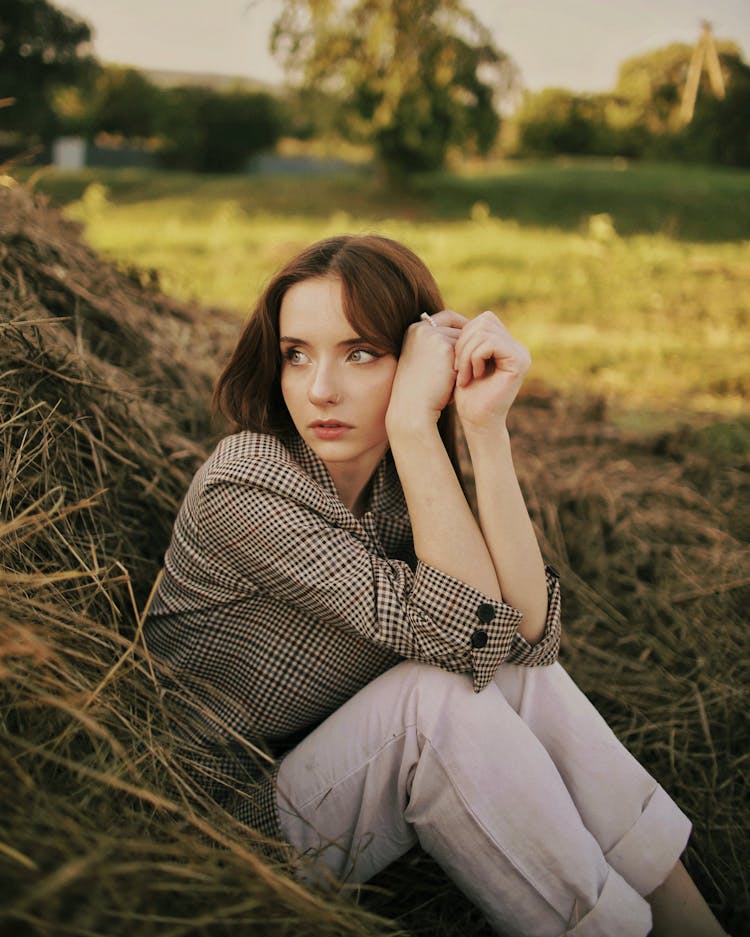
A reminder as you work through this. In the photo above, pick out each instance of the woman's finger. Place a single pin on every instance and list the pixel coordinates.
(484, 354)
(478, 359)
(449, 318)
(471, 353)
(463, 364)
(452, 335)
(480, 356)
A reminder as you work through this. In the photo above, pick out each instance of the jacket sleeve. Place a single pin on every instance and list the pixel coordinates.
(270, 543)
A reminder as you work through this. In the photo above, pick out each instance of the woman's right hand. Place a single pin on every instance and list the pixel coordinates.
(425, 375)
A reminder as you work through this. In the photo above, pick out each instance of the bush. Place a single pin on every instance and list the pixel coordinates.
(126, 103)
(558, 121)
(641, 119)
(208, 131)
(719, 131)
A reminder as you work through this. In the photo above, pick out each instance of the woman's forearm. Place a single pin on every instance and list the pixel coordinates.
(446, 534)
(507, 529)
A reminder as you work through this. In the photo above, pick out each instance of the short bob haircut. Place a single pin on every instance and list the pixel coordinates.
(385, 288)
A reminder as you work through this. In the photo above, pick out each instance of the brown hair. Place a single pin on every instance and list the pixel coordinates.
(385, 288)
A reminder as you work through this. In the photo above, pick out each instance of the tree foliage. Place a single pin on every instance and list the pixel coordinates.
(650, 86)
(414, 77)
(720, 129)
(641, 117)
(555, 120)
(310, 112)
(212, 131)
(189, 127)
(125, 102)
(41, 49)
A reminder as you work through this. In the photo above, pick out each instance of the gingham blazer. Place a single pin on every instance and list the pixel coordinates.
(277, 604)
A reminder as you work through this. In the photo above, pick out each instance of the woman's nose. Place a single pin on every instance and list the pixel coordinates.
(323, 388)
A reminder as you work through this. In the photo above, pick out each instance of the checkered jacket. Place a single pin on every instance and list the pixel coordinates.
(277, 605)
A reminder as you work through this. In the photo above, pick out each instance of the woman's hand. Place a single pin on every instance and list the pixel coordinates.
(490, 366)
(426, 375)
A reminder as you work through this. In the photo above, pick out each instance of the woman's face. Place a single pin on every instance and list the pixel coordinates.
(335, 384)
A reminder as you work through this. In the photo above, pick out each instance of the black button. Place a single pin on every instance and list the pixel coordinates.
(479, 639)
(486, 612)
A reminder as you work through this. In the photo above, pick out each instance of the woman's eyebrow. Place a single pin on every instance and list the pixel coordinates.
(290, 340)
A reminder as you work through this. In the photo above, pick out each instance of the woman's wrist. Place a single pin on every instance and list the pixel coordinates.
(406, 423)
(488, 433)
(410, 429)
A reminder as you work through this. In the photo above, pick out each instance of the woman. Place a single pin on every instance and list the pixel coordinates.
(329, 591)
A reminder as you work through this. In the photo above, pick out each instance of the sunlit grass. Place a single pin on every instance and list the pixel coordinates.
(644, 319)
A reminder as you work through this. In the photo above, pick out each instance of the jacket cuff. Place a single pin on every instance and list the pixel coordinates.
(545, 651)
(467, 624)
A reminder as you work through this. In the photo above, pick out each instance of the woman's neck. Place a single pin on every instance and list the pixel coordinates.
(354, 495)
(353, 485)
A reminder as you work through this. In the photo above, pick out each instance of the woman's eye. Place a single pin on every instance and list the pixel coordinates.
(361, 355)
(295, 356)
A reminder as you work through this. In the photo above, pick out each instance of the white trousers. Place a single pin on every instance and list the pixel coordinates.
(521, 793)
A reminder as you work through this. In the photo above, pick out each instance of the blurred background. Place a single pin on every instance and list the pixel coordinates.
(582, 80)
(581, 168)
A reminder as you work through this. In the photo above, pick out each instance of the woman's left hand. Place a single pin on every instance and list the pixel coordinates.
(490, 366)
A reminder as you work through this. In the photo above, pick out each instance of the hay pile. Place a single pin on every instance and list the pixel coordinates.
(104, 387)
(102, 398)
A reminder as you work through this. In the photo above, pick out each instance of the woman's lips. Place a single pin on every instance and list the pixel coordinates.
(329, 429)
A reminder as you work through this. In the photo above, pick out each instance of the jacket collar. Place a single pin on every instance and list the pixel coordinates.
(386, 495)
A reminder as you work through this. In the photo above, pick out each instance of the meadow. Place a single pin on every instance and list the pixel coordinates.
(632, 440)
(627, 282)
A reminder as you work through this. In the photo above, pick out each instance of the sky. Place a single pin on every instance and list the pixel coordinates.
(575, 44)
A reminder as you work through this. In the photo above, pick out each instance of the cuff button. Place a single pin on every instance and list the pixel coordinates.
(486, 612)
(479, 639)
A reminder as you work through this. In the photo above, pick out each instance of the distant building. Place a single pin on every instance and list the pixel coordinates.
(76, 153)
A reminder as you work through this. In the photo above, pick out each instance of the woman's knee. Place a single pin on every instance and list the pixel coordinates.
(536, 694)
(433, 698)
(429, 684)
(543, 689)
(417, 677)
(414, 693)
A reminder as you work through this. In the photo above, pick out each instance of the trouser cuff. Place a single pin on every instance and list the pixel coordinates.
(619, 910)
(649, 851)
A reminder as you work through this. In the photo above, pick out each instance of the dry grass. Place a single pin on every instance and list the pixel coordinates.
(102, 422)
(104, 384)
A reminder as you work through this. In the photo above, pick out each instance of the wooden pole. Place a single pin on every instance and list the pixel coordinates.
(714, 67)
(705, 51)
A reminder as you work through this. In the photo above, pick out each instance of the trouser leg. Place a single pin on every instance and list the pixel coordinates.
(416, 754)
(636, 824)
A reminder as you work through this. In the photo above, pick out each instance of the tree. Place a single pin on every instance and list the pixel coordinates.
(650, 90)
(414, 77)
(310, 113)
(556, 121)
(650, 86)
(642, 117)
(211, 131)
(41, 49)
(720, 131)
(125, 102)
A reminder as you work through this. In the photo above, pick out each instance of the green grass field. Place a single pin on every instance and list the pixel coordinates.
(627, 282)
